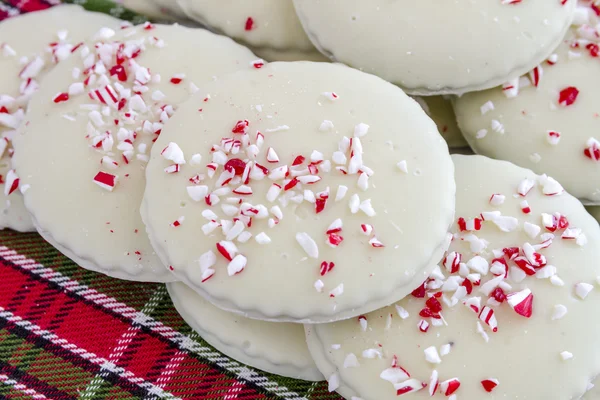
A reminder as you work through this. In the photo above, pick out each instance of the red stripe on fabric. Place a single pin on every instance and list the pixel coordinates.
(84, 326)
(98, 331)
(29, 5)
(147, 350)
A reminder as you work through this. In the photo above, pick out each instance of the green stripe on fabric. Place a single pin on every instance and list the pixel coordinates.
(110, 7)
(42, 365)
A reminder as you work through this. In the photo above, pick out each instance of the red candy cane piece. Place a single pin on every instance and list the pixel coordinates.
(249, 24)
(178, 222)
(409, 386)
(335, 227)
(106, 181)
(227, 249)
(521, 302)
(258, 64)
(489, 384)
(487, 316)
(241, 127)
(434, 383)
(592, 150)
(12, 182)
(452, 262)
(450, 386)
(177, 79)
(326, 267)
(536, 75)
(567, 96)
(237, 165)
(61, 97)
(334, 240)
(366, 229)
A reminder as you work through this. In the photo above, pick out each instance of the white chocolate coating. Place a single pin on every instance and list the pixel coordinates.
(66, 25)
(288, 103)
(428, 47)
(523, 122)
(524, 355)
(274, 25)
(100, 229)
(278, 348)
(439, 109)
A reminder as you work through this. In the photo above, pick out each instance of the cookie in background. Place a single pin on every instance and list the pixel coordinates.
(547, 120)
(429, 48)
(105, 106)
(26, 56)
(269, 27)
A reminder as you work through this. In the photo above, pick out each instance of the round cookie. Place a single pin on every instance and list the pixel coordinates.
(428, 47)
(25, 57)
(270, 27)
(439, 109)
(84, 194)
(547, 121)
(508, 314)
(278, 348)
(317, 216)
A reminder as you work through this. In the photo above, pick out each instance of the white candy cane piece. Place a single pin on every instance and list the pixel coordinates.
(173, 153)
(236, 265)
(307, 244)
(583, 289)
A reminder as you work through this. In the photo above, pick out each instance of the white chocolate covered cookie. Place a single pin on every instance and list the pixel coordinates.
(508, 314)
(105, 106)
(439, 109)
(297, 199)
(431, 47)
(548, 121)
(270, 27)
(26, 55)
(278, 348)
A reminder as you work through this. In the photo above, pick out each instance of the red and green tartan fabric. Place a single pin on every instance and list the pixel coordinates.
(68, 333)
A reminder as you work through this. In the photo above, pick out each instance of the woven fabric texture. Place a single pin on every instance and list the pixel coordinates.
(68, 333)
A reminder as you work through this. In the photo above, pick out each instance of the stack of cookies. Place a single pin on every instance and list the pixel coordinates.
(285, 169)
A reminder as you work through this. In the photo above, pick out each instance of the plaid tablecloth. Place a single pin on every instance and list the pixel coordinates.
(68, 333)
